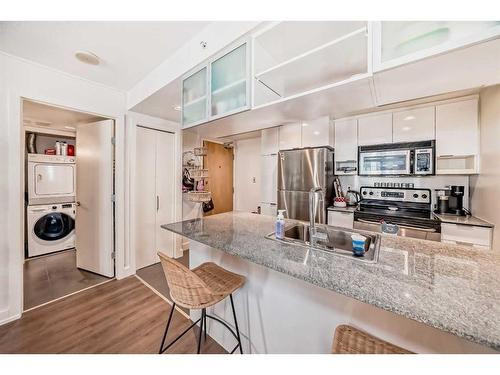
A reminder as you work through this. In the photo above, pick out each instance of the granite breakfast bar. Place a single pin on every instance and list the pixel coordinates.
(426, 297)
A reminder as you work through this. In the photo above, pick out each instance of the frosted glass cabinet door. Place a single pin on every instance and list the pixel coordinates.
(194, 98)
(229, 82)
(401, 38)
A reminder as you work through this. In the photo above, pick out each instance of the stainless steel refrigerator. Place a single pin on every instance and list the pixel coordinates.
(299, 171)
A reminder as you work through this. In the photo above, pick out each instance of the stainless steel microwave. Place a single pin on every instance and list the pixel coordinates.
(397, 159)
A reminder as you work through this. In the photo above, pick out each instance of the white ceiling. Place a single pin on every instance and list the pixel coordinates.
(128, 50)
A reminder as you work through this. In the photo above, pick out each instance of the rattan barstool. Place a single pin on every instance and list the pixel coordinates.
(350, 340)
(199, 288)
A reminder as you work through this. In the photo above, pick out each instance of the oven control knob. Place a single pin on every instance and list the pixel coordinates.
(415, 195)
(371, 192)
(424, 196)
(364, 192)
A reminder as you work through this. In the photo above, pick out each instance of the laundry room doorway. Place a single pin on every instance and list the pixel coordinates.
(69, 202)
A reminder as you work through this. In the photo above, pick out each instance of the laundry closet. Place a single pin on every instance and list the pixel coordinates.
(69, 208)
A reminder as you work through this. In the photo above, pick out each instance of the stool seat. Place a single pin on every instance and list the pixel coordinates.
(220, 281)
(350, 340)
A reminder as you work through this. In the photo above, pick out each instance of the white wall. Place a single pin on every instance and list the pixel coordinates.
(247, 174)
(486, 186)
(22, 79)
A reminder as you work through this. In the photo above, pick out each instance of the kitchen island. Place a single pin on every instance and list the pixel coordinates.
(426, 297)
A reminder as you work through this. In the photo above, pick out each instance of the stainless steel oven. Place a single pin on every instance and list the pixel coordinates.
(397, 159)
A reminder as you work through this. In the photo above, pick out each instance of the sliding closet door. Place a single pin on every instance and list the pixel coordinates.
(145, 198)
(165, 191)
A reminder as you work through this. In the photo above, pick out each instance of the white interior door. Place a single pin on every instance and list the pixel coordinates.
(145, 197)
(165, 191)
(94, 190)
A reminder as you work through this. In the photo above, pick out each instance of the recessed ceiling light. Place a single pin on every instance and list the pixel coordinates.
(305, 124)
(87, 57)
(177, 107)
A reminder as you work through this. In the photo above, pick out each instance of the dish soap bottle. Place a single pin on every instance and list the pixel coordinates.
(280, 225)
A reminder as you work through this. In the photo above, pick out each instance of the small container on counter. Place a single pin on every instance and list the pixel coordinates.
(358, 245)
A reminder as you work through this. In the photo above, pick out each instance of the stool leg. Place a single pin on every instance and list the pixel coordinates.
(166, 328)
(205, 326)
(236, 323)
(202, 320)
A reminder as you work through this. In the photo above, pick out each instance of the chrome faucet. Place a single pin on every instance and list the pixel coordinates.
(312, 215)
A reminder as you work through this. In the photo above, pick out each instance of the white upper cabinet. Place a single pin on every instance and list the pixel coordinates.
(194, 97)
(400, 42)
(457, 129)
(317, 132)
(346, 146)
(293, 57)
(414, 125)
(457, 137)
(375, 129)
(218, 88)
(269, 141)
(229, 82)
(290, 136)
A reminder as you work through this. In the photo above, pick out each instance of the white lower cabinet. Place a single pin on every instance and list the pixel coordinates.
(343, 219)
(269, 209)
(468, 235)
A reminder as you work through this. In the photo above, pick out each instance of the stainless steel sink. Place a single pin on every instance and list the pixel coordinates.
(331, 239)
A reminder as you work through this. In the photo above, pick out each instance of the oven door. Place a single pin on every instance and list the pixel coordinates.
(380, 163)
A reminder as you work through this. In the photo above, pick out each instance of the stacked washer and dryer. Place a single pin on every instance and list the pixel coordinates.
(51, 184)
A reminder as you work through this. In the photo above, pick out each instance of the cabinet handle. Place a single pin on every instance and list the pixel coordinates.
(157, 203)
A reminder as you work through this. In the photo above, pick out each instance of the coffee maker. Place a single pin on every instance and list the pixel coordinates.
(443, 197)
(456, 200)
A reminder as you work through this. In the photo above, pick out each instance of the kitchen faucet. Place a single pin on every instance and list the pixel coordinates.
(312, 215)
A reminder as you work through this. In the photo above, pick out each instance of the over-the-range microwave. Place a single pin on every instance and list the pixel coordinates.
(397, 159)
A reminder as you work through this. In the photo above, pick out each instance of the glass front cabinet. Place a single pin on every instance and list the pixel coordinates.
(219, 88)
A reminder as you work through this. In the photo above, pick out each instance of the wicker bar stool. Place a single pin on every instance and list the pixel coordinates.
(199, 288)
(350, 340)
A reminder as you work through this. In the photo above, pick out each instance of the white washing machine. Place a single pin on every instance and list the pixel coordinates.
(51, 179)
(50, 228)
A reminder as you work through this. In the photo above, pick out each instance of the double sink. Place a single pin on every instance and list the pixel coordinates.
(330, 239)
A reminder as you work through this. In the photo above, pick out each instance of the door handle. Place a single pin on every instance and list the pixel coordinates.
(157, 203)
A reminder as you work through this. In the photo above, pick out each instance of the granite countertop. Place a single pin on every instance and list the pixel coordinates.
(463, 220)
(343, 209)
(449, 287)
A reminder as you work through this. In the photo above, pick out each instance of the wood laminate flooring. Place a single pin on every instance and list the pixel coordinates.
(121, 316)
(53, 276)
(154, 276)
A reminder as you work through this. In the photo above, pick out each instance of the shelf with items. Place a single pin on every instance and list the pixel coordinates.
(194, 176)
(335, 60)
